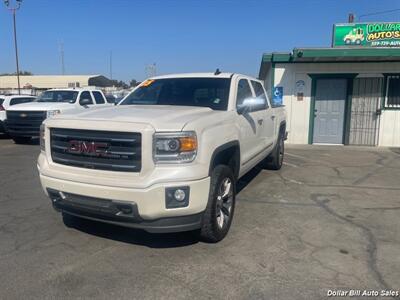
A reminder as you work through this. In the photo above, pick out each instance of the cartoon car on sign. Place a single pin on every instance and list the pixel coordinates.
(354, 37)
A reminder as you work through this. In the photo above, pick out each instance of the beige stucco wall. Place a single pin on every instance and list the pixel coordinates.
(43, 81)
(286, 75)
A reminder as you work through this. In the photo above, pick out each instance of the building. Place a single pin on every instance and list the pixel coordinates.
(346, 94)
(36, 83)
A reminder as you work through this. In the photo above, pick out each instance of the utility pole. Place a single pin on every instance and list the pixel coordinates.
(111, 65)
(151, 70)
(62, 57)
(13, 9)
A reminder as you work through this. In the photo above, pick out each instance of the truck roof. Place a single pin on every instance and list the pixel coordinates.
(194, 75)
(74, 89)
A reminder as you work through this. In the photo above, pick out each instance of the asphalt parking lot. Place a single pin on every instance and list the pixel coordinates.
(328, 220)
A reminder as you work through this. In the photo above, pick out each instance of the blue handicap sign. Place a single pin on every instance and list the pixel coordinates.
(277, 97)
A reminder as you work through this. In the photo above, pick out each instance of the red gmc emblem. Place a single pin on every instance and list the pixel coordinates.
(89, 148)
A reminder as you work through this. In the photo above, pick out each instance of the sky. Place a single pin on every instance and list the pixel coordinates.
(177, 35)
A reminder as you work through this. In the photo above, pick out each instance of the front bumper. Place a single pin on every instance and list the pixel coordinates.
(136, 208)
(119, 213)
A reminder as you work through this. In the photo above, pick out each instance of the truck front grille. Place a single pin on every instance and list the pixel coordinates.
(24, 123)
(93, 149)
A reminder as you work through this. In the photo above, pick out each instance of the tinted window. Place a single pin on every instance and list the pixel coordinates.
(58, 96)
(243, 92)
(14, 101)
(85, 95)
(259, 90)
(1, 101)
(99, 98)
(204, 92)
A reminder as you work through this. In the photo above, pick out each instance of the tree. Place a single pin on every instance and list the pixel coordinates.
(21, 73)
(133, 83)
(119, 84)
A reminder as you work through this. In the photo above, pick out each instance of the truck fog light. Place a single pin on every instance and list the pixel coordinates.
(177, 197)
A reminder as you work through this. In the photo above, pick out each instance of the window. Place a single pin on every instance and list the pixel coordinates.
(85, 95)
(203, 92)
(393, 92)
(1, 101)
(58, 96)
(243, 92)
(259, 90)
(14, 101)
(99, 97)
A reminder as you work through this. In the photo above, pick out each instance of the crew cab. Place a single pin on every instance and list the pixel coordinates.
(24, 120)
(167, 158)
(9, 100)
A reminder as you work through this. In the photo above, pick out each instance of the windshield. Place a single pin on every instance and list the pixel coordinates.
(58, 96)
(204, 92)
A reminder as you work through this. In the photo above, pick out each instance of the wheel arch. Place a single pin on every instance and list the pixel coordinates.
(227, 154)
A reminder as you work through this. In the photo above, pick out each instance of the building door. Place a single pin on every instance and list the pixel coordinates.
(365, 105)
(329, 109)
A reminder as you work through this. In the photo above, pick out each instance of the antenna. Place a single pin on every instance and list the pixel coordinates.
(217, 72)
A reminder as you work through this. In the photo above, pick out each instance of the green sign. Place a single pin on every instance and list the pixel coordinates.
(367, 35)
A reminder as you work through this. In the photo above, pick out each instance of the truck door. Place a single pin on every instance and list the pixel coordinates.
(250, 124)
(267, 128)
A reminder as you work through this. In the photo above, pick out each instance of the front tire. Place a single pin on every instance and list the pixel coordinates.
(217, 218)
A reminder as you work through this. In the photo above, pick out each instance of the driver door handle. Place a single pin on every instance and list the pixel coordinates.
(260, 121)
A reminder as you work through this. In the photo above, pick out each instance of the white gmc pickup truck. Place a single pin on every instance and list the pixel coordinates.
(167, 158)
(24, 120)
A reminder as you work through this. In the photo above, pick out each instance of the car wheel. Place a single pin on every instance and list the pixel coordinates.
(22, 140)
(275, 160)
(218, 215)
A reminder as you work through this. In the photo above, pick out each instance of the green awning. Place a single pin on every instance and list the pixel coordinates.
(304, 55)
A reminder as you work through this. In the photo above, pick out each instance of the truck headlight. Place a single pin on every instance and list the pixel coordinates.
(179, 147)
(52, 113)
(42, 138)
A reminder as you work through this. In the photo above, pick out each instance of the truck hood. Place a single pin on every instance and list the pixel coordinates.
(161, 118)
(41, 106)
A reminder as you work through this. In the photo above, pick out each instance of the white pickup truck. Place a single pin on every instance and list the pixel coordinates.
(167, 158)
(24, 120)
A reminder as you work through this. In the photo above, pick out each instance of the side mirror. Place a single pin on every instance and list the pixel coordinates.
(85, 102)
(251, 104)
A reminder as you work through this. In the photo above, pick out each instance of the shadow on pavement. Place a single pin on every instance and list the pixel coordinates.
(133, 236)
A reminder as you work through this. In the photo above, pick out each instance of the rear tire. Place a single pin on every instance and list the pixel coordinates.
(217, 218)
(274, 161)
(22, 140)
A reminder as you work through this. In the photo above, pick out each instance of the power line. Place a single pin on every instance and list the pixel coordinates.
(378, 13)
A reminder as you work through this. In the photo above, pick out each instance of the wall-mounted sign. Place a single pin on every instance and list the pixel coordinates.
(300, 85)
(367, 35)
(277, 98)
(300, 96)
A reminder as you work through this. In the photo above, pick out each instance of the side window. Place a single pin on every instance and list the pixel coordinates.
(85, 95)
(243, 91)
(14, 101)
(98, 97)
(259, 90)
